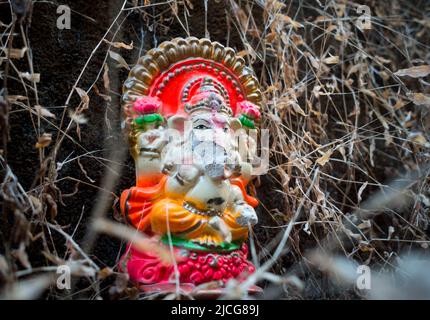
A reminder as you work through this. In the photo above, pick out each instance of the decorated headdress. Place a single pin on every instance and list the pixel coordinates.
(185, 75)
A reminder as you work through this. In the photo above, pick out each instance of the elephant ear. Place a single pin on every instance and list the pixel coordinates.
(177, 122)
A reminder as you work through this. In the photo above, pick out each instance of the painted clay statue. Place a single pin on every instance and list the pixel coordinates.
(188, 108)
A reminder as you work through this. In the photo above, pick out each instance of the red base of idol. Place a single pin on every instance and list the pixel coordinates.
(196, 268)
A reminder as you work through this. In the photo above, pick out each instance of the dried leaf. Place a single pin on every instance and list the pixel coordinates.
(371, 151)
(85, 99)
(105, 97)
(274, 5)
(341, 36)
(297, 40)
(360, 191)
(418, 138)
(331, 60)
(36, 204)
(331, 28)
(324, 158)
(41, 111)
(189, 3)
(118, 58)
(271, 37)
(104, 273)
(320, 195)
(120, 45)
(16, 98)
(317, 63)
(419, 99)
(106, 85)
(340, 9)
(44, 140)
(399, 104)
(15, 53)
(316, 91)
(292, 22)
(106, 80)
(382, 60)
(366, 224)
(390, 231)
(321, 19)
(414, 72)
(314, 61)
(77, 117)
(297, 109)
(35, 77)
(243, 53)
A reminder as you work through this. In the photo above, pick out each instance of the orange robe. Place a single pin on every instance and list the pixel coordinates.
(148, 210)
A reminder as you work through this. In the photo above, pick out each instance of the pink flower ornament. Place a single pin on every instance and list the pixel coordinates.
(250, 110)
(147, 105)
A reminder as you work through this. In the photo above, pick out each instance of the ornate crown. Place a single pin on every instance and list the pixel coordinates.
(208, 95)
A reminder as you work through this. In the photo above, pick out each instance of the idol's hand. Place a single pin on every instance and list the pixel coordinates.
(246, 214)
(219, 225)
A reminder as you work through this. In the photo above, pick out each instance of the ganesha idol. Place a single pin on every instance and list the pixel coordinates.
(189, 107)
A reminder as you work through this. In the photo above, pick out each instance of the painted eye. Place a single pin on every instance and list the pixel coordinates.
(201, 127)
(225, 129)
